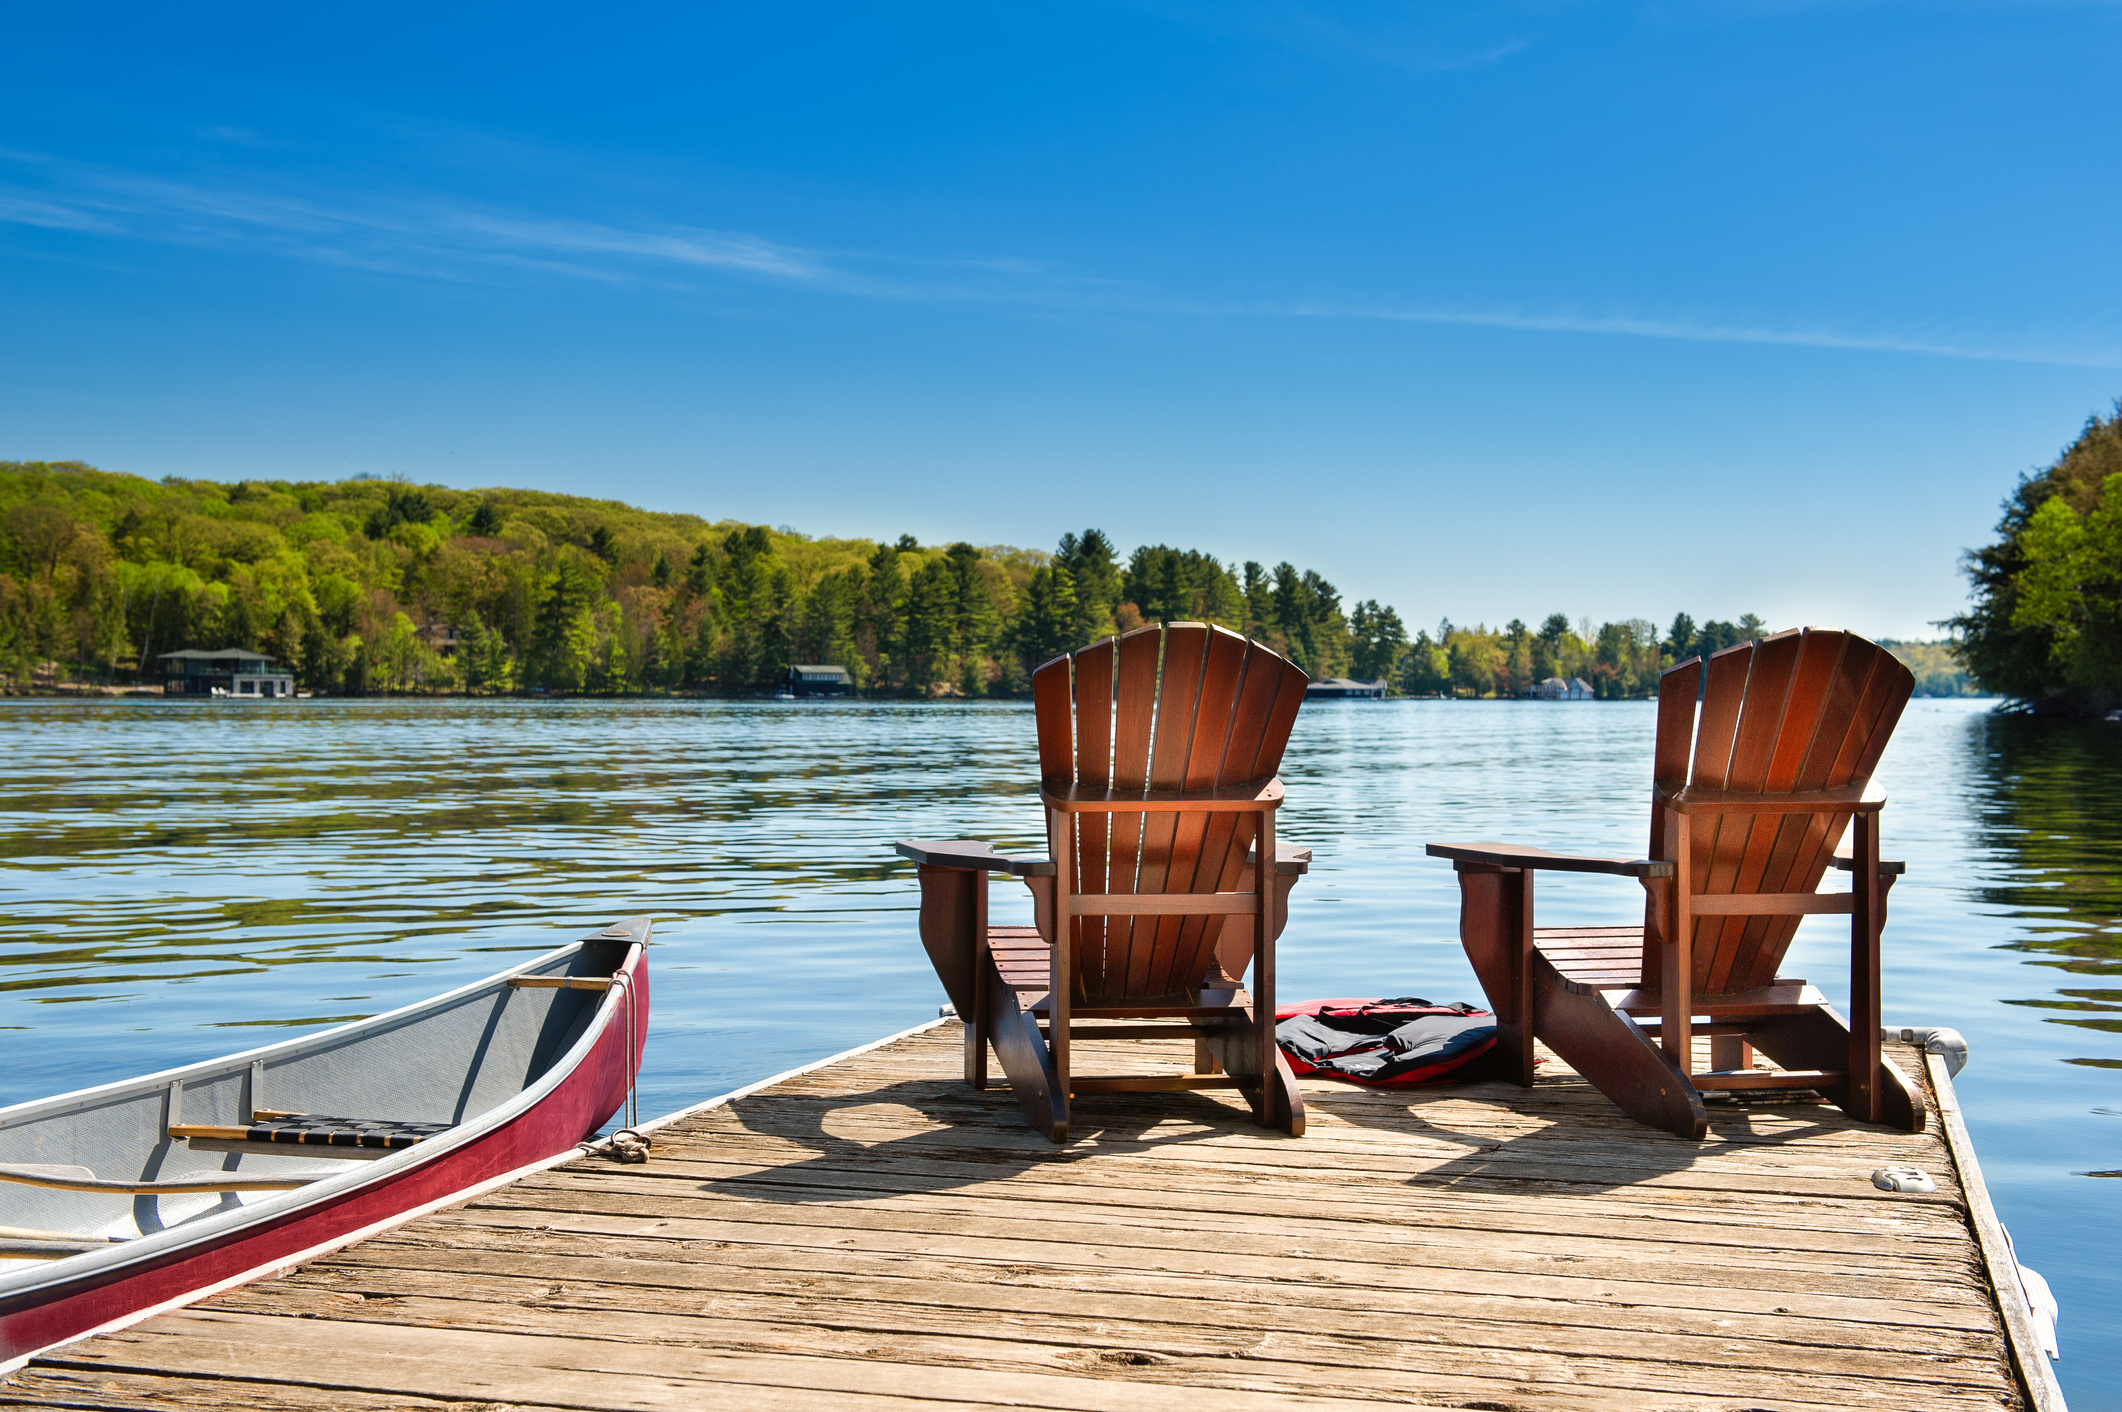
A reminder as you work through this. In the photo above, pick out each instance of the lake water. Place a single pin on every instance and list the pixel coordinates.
(181, 880)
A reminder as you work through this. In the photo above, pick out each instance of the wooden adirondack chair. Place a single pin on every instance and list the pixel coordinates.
(1157, 759)
(1790, 729)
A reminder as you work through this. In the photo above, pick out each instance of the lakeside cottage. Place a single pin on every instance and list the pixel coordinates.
(1556, 689)
(228, 671)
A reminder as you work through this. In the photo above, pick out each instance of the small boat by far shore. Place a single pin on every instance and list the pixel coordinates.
(131, 1198)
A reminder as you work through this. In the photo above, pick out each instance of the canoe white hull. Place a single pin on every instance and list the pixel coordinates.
(67, 1299)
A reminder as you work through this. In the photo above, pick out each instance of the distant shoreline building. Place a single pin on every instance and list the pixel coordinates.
(231, 671)
(1345, 689)
(1556, 689)
(817, 679)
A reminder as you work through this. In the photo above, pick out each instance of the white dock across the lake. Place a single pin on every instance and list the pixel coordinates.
(873, 1233)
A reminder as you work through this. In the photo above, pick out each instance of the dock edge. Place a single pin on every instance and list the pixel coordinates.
(2037, 1376)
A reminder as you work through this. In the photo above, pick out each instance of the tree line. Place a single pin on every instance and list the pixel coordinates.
(1618, 661)
(375, 586)
(370, 585)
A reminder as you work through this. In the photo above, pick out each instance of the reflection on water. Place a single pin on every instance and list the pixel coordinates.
(2054, 803)
(168, 869)
(180, 880)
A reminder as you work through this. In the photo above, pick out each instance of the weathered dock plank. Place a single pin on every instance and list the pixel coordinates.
(874, 1234)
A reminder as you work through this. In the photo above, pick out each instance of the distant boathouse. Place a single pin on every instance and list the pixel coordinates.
(1556, 689)
(815, 679)
(230, 671)
(1345, 689)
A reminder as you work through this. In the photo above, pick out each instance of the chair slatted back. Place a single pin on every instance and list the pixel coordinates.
(1802, 710)
(1187, 706)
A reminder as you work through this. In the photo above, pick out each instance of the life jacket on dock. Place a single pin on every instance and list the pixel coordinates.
(1382, 1043)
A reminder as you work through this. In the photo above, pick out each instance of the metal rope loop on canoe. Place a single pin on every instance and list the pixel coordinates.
(632, 1107)
(627, 1144)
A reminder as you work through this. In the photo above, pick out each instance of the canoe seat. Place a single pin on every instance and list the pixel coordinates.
(316, 1130)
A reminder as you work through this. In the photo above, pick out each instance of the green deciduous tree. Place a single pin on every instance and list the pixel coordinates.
(2045, 626)
(1426, 668)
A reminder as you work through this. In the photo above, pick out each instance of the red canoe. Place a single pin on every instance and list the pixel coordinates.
(123, 1201)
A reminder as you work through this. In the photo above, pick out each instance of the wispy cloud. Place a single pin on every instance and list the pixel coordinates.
(430, 237)
(1710, 328)
(703, 249)
(412, 235)
(19, 208)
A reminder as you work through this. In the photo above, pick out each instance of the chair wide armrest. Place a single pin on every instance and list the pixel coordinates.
(1892, 867)
(970, 854)
(1290, 860)
(1518, 855)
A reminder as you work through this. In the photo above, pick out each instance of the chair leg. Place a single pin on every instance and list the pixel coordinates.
(1495, 928)
(1026, 1058)
(1235, 1045)
(1613, 1055)
(979, 1027)
(954, 928)
(1817, 1038)
(1289, 1113)
(1900, 1101)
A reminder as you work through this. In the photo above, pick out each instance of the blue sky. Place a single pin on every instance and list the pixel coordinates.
(1484, 311)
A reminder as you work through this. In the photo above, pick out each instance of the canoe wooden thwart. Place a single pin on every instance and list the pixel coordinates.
(146, 1194)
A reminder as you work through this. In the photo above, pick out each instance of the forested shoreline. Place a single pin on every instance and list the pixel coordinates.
(374, 586)
(2045, 627)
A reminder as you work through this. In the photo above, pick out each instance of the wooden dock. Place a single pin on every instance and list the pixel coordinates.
(872, 1233)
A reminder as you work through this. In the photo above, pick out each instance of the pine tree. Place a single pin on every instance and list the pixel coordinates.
(1377, 641)
(1046, 628)
(926, 639)
(556, 655)
(1090, 562)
